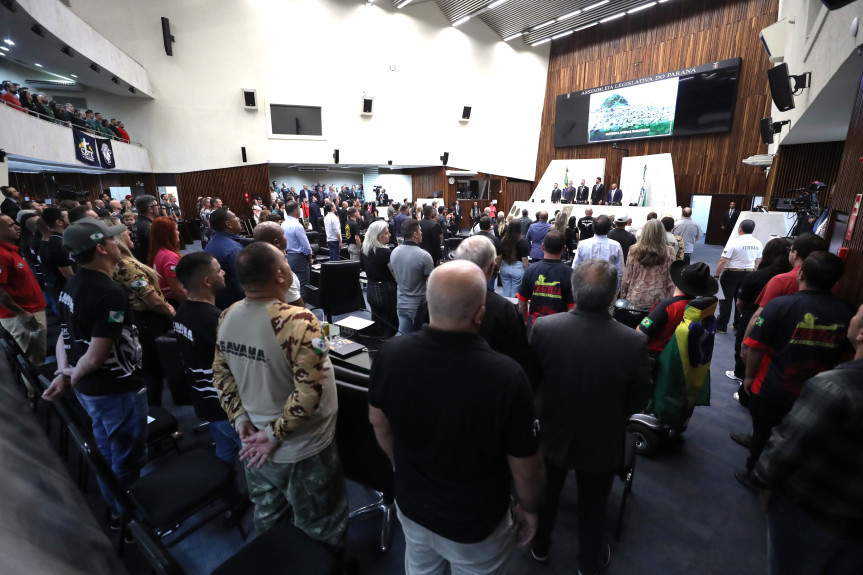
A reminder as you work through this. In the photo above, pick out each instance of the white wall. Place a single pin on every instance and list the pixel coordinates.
(420, 70)
(819, 42)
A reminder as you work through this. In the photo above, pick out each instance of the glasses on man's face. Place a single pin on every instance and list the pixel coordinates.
(154, 205)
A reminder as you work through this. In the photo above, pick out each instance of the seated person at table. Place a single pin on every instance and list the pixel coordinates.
(689, 282)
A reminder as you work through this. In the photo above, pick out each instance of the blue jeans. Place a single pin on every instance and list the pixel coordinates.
(510, 277)
(300, 265)
(334, 251)
(406, 320)
(227, 440)
(120, 430)
(798, 545)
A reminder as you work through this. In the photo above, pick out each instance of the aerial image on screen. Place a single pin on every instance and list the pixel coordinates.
(633, 112)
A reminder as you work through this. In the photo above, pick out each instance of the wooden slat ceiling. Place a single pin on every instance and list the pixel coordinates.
(525, 16)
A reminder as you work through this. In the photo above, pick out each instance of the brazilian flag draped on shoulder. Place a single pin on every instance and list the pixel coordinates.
(683, 378)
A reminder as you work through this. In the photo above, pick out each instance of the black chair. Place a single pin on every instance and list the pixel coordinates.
(451, 245)
(283, 548)
(170, 494)
(362, 459)
(339, 290)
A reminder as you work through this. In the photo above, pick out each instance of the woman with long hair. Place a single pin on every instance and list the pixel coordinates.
(774, 261)
(559, 224)
(500, 226)
(375, 258)
(153, 314)
(647, 276)
(164, 256)
(515, 253)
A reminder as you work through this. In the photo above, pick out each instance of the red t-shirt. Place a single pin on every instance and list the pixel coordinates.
(12, 100)
(779, 285)
(18, 281)
(165, 264)
(124, 135)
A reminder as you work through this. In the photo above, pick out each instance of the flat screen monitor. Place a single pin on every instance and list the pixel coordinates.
(698, 100)
(296, 120)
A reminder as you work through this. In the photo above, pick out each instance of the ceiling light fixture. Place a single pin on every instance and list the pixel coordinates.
(37, 64)
(642, 7)
(4, 48)
(568, 16)
(2, 53)
(543, 25)
(615, 17)
(495, 4)
(543, 41)
(562, 34)
(115, 80)
(67, 50)
(94, 67)
(597, 5)
(73, 75)
(586, 26)
(403, 4)
(513, 37)
(10, 42)
(37, 29)
(461, 20)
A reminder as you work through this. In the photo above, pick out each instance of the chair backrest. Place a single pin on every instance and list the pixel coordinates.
(362, 459)
(158, 556)
(453, 243)
(340, 290)
(172, 367)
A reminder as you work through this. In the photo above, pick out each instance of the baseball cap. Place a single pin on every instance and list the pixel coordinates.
(86, 233)
(621, 219)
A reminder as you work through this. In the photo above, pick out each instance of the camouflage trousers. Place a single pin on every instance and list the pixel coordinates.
(314, 488)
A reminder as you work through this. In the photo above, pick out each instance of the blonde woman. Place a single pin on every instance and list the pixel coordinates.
(153, 314)
(500, 226)
(647, 276)
(375, 258)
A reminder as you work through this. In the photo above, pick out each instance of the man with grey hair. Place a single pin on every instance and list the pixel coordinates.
(690, 231)
(461, 442)
(585, 405)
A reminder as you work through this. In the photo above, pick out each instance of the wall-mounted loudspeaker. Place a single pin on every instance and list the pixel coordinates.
(250, 99)
(780, 86)
(768, 128)
(243, 152)
(166, 36)
(465, 114)
(445, 158)
(368, 103)
(335, 156)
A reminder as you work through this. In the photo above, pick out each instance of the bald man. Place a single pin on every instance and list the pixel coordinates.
(452, 481)
(272, 233)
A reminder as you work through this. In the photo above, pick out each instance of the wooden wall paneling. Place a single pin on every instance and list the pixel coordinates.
(681, 35)
(796, 166)
(518, 191)
(229, 184)
(848, 185)
(427, 181)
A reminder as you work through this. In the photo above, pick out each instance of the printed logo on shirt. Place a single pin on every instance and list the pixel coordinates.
(808, 332)
(547, 289)
(116, 316)
(242, 350)
(646, 322)
(139, 283)
(320, 345)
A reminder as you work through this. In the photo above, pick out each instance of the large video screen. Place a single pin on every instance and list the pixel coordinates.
(687, 102)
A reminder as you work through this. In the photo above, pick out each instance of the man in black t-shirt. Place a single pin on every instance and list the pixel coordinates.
(352, 234)
(585, 225)
(460, 442)
(546, 287)
(431, 234)
(99, 353)
(57, 266)
(196, 324)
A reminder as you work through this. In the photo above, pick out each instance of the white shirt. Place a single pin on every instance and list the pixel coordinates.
(600, 248)
(742, 251)
(332, 225)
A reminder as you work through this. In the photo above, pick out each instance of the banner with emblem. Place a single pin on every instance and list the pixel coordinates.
(85, 148)
(106, 153)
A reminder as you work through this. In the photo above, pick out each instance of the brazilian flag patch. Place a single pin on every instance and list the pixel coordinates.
(646, 322)
(319, 345)
(139, 283)
(759, 321)
(116, 316)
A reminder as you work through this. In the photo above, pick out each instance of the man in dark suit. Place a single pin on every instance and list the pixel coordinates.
(584, 405)
(614, 196)
(555, 195)
(581, 193)
(597, 196)
(569, 195)
(728, 220)
(456, 212)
